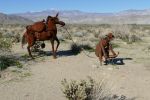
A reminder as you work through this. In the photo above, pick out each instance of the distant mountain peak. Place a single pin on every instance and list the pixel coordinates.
(131, 16)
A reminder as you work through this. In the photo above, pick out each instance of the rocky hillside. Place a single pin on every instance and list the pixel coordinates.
(13, 19)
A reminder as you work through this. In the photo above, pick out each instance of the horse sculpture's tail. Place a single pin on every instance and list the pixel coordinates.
(23, 42)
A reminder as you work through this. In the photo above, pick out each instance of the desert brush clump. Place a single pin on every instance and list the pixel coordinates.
(75, 48)
(5, 45)
(89, 90)
(85, 90)
(87, 47)
(7, 61)
(74, 90)
(125, 32)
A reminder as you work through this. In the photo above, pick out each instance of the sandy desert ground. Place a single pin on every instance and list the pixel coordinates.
(43, 77)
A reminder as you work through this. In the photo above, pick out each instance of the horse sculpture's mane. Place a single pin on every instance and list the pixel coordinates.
(47, 19)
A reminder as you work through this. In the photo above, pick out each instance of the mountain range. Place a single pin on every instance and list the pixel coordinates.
(13, 19)
(79, 17)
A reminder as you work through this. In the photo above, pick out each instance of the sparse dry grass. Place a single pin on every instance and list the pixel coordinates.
(129, 33)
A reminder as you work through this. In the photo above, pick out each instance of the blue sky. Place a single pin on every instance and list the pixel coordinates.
(16, 6)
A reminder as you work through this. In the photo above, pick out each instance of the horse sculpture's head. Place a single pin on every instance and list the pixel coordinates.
(54, 20)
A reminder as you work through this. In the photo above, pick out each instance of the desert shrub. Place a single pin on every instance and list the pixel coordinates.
(12, 31)
(81, 90)
(85, 90)
(88, 90)
(79, 34)
(5, 45)
(125, 33)
(87, 47)
(6, 59)
(16, 38)
(9, 61)
(130, 38)
(75, 49)
(134, 38)
(96, 35)
(148, 48)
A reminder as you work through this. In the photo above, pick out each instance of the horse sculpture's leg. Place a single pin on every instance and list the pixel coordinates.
(57, 44)
(29, 51)
(52, 42)
(31, 42)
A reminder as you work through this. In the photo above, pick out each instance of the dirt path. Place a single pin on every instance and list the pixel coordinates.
(131, 79)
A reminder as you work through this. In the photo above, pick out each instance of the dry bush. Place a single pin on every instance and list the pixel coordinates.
(124, 32)
(79, 34)
(14, 32)
(75, 49)
(88, 90)
(81, 90)
(5, 45)
(6, 59)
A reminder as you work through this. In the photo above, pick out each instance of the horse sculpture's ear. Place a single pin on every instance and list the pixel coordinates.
(57, 14)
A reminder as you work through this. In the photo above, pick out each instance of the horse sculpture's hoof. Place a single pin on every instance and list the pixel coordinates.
(32, 58)
(54, 57)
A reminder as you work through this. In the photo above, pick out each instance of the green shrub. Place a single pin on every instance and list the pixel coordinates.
(75, 49)
(7, 62)
(87, 47)
(5, 44)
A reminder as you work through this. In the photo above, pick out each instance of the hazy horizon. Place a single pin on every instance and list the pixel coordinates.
(72, 10)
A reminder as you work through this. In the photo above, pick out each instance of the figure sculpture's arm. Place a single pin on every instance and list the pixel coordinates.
(114, 54)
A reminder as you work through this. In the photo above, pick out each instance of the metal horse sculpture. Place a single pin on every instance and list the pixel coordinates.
(41, 31)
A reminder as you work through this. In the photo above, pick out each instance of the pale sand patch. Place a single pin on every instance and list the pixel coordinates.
(131, 79)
